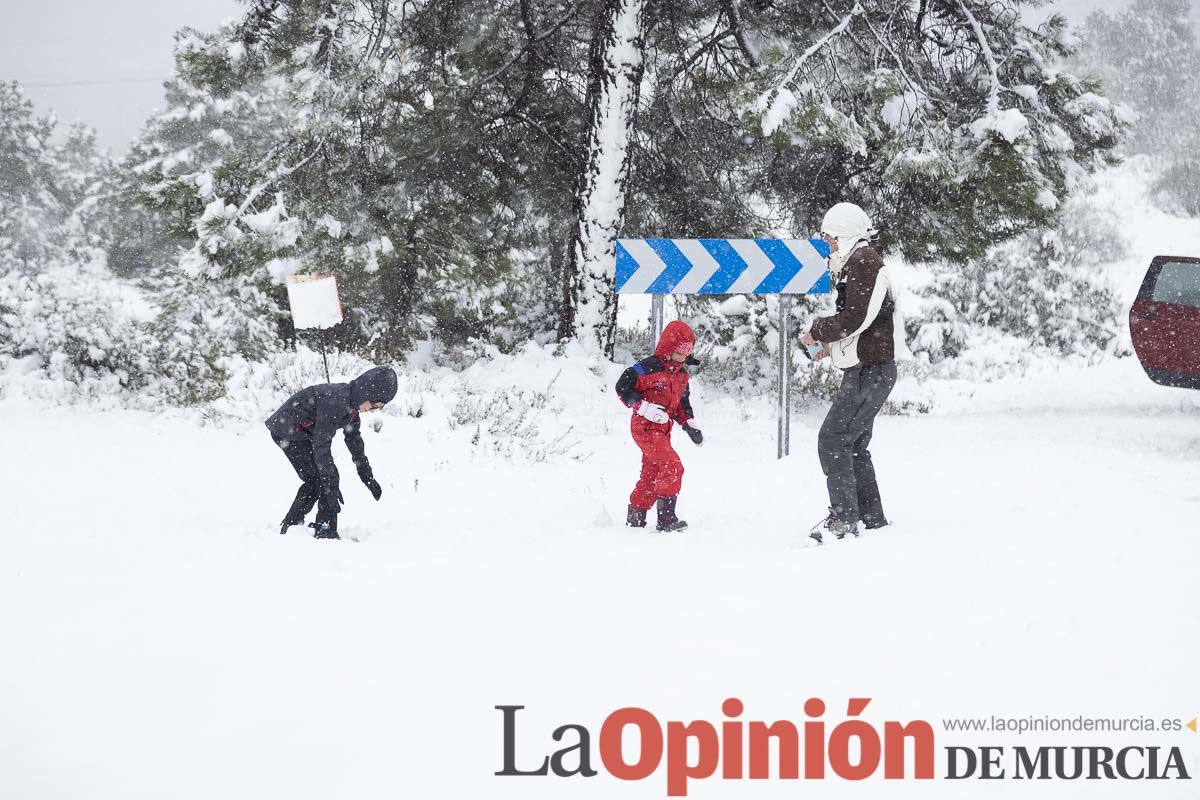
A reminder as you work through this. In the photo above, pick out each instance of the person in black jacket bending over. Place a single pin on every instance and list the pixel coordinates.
(304, 428)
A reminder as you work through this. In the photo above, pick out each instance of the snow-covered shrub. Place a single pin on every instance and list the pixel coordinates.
(90, 333)
(511, 422)
(738, 341)
(254, 389)
(1044, 288)
(504, 405)
(207, 328)
(68, 325)
(814, 381)
(78, 327)
(936, 330)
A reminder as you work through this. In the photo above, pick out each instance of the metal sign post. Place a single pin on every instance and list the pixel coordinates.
(729, 266)
(656, 319)
(783, 447)
(324, 360)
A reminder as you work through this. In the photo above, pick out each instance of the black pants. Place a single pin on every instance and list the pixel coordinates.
(843, 440)
(300, 456)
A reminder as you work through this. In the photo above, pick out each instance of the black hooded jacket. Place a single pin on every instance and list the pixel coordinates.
(316, 413)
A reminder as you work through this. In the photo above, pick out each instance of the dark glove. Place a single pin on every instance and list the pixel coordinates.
(374, 487)
(368, 478)
(693, 433)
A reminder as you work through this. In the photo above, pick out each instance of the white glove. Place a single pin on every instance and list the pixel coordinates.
(651, 411)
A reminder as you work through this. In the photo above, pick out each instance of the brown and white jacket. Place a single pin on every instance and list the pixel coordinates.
(867, 328)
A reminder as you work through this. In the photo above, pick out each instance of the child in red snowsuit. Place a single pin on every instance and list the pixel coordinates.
(656, 388)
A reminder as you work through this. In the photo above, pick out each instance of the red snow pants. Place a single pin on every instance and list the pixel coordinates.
(662, 471)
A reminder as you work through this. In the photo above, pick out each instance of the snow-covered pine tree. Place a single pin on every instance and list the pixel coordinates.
(62, 312)
(1146, 56)
(86, 187)
(430, 153)
(954, 123)
(29, 206)
(404, 146)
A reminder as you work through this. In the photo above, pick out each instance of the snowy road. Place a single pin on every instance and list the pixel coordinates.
(160, 639)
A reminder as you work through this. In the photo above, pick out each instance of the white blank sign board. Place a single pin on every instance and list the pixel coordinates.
(314, 301)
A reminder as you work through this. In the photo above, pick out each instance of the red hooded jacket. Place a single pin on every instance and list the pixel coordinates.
(660, 380)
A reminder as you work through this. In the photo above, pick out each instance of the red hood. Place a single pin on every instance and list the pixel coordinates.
(675, 334)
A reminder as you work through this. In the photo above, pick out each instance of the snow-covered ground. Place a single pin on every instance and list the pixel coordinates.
(162, 640)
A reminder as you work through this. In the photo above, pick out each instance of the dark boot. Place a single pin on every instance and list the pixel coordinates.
(635, 517)
(325, 530)
(667, 521)
(833, 525)
(328, 506)
(840, 528)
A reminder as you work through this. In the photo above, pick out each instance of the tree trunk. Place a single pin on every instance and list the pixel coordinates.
(615, 69)
(398, 276)
(558, 288)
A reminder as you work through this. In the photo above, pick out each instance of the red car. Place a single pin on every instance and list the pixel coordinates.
(1165, 321)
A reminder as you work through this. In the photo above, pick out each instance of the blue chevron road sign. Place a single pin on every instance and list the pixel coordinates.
(722, 266)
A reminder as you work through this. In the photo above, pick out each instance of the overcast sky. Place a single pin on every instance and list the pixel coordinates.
(103, 61)
(99, 61)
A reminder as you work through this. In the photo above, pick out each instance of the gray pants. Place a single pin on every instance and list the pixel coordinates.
(843, 440)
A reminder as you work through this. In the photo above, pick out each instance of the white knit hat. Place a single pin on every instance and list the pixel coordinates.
(847, 224)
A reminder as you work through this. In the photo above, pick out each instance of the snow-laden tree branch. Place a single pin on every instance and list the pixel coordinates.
(277, 174)
(532, 40)
(739, 32)
(993, 106)
(919, 89)
(779, 101)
